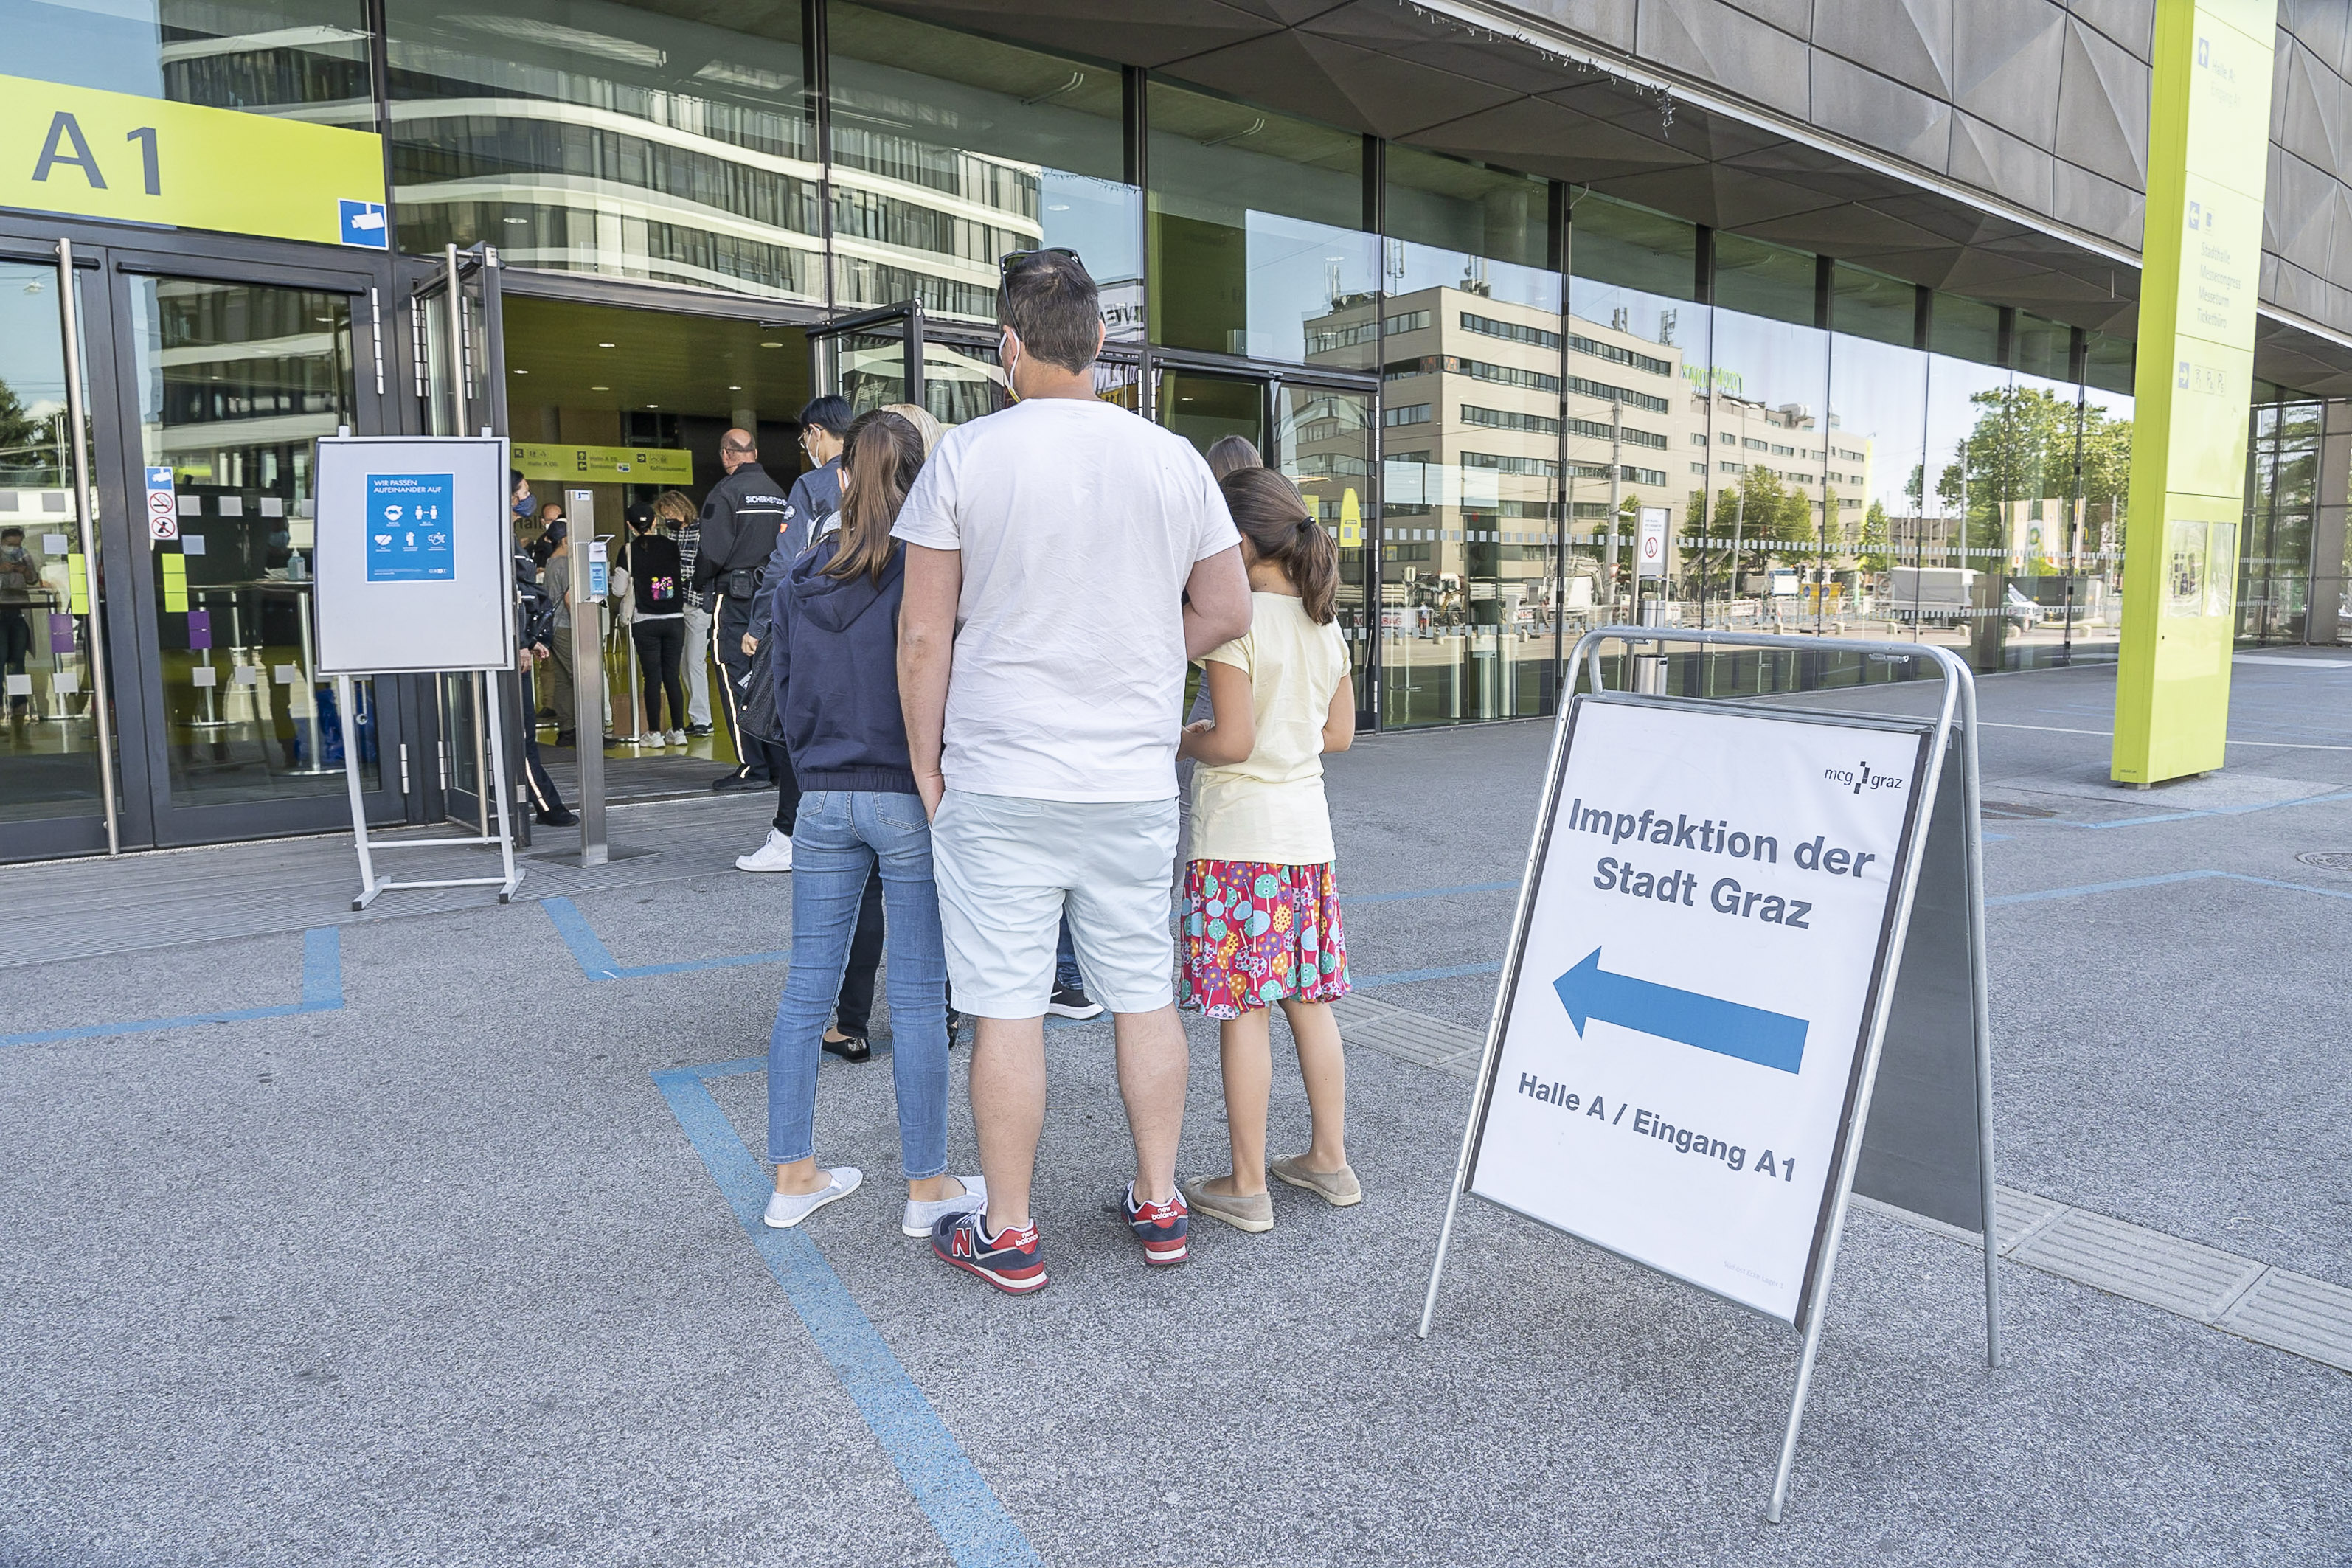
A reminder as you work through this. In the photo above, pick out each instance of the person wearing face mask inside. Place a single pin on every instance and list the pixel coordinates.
(814, 506)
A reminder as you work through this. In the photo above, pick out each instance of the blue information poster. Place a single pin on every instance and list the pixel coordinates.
(409, 539)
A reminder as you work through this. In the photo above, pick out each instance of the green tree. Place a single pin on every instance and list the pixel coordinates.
(1877, 547)
(26, 442)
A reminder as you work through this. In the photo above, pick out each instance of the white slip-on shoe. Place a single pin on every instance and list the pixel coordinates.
(677, 737)
(776, 854)
(920, 1217)
(788, 1209)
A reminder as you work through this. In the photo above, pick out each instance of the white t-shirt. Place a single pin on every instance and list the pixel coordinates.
(1268, 808)
(1080, 523)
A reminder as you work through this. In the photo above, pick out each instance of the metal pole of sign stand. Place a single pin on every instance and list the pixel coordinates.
(1957, 716)
(508, 877)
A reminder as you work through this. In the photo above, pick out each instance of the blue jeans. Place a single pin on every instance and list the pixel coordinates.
(1066, 963)
(838, 837)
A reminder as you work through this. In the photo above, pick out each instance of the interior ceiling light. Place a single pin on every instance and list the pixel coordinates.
(522, 373)
(734, 389)
(600, 389)
(518, 222)
(771, 346)
(604, 345)
(652, 405)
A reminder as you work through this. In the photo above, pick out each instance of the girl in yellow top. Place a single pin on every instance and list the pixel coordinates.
(1261, 908)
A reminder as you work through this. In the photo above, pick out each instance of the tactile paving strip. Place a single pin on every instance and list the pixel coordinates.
(2241, 1296)
(1408, 1036)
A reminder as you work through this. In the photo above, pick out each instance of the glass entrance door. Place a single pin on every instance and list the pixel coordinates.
(873, 359)
(461, 390)
(53, 785)
(1322, 438)
(233, 380)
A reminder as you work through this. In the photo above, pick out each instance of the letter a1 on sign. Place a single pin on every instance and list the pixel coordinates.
(1689, 1026)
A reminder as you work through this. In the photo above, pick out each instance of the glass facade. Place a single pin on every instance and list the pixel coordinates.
(1481, 379)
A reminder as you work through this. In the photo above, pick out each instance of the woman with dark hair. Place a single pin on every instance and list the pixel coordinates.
(1261, 921)
(1230, 454)
(836, 625)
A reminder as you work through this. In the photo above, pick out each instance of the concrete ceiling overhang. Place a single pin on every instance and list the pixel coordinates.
(1482, 81)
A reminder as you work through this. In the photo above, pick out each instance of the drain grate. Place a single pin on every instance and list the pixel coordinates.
(2012, 811)
(2328, 859)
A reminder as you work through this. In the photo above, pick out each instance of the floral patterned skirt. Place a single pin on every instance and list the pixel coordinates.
(1256, 934)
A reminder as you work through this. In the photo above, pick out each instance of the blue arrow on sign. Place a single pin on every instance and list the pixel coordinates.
(1728, 1029)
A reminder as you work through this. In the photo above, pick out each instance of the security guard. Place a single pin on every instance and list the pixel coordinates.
(534, 631)
(741, 521)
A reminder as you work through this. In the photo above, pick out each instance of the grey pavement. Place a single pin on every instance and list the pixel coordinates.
(437, 1276)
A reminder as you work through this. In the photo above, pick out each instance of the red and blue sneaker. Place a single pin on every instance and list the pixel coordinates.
(1161, 1227)
(1011, 1259)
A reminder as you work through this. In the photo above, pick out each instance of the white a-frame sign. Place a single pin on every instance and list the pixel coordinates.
(1746, 980)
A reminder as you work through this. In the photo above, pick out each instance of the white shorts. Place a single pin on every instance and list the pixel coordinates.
(1007, 868)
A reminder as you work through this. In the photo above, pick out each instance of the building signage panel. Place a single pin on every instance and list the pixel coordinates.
(414, 561)
(1708, 931)
(2208, 136)
(120, 156)
(604, 464)
(408, 533)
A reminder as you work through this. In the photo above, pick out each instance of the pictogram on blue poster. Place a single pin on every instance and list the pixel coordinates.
(409, 538)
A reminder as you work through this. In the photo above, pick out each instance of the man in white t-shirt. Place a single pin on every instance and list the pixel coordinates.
(1064, 559)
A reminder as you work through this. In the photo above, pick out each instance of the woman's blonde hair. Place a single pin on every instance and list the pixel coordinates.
(920, 418)
(674, 506)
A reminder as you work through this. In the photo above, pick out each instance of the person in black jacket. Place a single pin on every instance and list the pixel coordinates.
(741, 519)
(835, 664)
(534, 630)
(812, 509)
(658, 626)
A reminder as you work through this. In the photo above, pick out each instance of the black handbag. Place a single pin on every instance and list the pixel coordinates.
(759, 719)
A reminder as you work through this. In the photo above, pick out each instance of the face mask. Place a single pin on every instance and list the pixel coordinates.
(523, 508)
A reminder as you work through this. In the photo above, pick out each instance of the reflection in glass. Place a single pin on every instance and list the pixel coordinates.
(48, 751)
(1204, 409)
(1323, 441)
(1256, 230)
(1471, 348)
(2273, 573)
(305, 59)
(236, 382)
(950, 151)
(1637, 398)
(668, 145)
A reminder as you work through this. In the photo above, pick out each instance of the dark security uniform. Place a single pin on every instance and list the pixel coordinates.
(535, 628)
(745, 512)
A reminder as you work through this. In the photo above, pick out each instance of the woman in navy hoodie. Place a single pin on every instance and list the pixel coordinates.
(836, 631)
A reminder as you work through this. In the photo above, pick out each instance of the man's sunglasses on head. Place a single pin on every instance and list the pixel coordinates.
(1014, 261)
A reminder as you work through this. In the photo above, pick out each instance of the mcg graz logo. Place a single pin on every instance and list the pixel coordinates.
(1859, 778)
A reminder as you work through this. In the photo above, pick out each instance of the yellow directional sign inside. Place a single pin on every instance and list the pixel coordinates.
(604, 464)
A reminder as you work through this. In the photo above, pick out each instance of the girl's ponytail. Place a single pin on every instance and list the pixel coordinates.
(1268, 509)
(881, 455)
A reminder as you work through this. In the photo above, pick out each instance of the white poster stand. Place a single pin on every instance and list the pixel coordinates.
(415, 575)
(1714, 928)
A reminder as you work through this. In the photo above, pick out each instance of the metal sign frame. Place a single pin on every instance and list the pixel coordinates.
(509, 876)
(1955, 721)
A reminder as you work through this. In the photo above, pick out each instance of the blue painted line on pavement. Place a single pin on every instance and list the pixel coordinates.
(597, 962)
(971, 1521)
(322, 992)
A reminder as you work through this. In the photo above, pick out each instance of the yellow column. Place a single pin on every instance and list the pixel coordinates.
(2209, 144)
